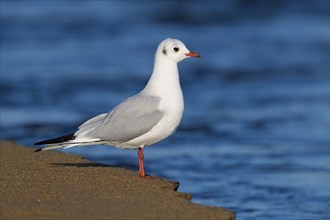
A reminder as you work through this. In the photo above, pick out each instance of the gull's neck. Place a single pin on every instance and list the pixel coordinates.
(164, 80)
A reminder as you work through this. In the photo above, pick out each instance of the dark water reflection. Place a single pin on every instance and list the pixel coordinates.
(255, 134)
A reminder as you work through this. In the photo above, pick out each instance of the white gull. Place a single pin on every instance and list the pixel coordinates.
(141, 120)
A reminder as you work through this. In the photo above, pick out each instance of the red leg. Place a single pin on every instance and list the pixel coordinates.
(141, 165)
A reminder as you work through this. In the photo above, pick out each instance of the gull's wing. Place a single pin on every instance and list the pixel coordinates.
(132, 118)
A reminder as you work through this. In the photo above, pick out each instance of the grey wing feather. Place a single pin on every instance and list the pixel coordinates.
(93, 120)
(132, 118)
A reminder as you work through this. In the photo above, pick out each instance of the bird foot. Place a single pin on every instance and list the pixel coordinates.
(146, 176)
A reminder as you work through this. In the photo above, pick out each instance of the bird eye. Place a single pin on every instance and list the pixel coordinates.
(176, 49)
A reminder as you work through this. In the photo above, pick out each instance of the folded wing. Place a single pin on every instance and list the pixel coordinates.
(132, 118)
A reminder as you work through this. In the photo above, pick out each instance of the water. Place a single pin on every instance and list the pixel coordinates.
(255, 132)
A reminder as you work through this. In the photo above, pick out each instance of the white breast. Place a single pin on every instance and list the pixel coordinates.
(172, 106)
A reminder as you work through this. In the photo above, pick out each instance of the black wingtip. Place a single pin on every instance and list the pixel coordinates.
(38, 143)
(40, 149)
(41, 142)
(57, 140)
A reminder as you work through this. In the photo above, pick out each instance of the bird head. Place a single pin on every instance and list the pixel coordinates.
(174, 50)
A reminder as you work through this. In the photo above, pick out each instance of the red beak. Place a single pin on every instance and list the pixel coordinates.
(193, 54)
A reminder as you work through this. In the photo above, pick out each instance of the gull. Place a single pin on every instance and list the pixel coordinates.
(143, 119)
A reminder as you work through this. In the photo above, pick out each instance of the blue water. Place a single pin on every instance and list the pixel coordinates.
(255, 132)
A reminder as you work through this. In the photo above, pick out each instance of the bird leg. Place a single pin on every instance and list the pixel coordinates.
(141, 165)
